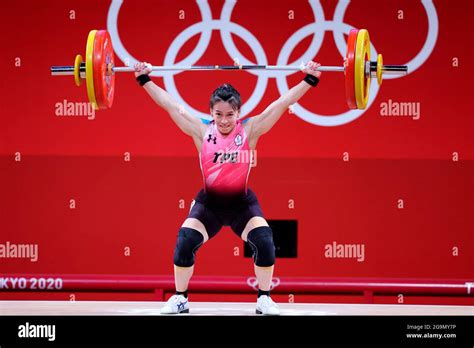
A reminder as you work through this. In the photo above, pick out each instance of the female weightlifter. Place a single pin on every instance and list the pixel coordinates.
(225, 199)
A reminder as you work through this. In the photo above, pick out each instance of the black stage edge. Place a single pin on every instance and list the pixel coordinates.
(189, 331)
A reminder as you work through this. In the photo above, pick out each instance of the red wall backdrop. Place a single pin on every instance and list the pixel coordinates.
(136, 204)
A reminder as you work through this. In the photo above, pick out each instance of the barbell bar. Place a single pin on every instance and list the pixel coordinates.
(69, 70)
(98, 69)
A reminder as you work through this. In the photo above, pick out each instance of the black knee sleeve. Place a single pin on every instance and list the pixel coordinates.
(260, 240)
(189, 241)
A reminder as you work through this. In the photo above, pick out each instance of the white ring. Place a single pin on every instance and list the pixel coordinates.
(233, 51)
(425, 51)
(170, 85)
(125, 56)
(312, 117)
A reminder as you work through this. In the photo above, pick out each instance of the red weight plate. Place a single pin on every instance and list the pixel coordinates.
(104, 79)
(349, 72)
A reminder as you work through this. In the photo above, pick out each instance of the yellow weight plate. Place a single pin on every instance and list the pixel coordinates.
(362, 82)
(77, 73)
(90, 69)
(379, 69)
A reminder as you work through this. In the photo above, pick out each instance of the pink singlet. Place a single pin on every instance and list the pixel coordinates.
(225, 160)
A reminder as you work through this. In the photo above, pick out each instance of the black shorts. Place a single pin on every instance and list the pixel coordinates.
(215, 211)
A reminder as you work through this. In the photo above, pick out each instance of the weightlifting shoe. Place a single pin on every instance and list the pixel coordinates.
(266, 306)
(176, 304)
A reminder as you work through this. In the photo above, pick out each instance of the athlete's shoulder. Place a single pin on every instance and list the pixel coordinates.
(210, 126)
(243, 124)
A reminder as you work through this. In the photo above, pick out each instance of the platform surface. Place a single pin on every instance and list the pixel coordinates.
(63, 308)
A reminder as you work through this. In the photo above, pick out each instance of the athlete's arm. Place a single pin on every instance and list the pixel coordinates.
(262, 123)
(190, 125)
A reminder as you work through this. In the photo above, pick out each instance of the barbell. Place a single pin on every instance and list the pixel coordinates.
(98, 70)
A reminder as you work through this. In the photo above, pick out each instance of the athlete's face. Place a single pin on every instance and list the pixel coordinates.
(224, 116)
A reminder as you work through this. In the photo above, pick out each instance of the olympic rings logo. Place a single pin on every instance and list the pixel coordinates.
(226, 28)
(253, 283)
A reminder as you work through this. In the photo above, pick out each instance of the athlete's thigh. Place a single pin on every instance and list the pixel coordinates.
(203, 219)
(247, 219)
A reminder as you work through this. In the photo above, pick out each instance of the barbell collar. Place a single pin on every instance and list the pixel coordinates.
(395, 69)
(68, 70)
(62, 70)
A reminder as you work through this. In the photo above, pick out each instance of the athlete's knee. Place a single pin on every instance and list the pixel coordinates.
(261, 241)
(189, 241)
